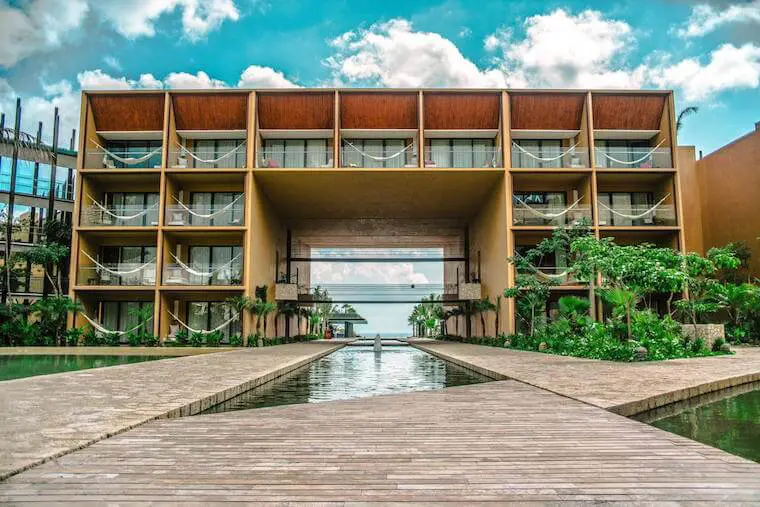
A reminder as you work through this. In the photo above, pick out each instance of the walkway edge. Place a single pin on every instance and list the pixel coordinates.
(625, 409)
(188, 409)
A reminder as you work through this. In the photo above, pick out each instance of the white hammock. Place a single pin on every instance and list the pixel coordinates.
(211, 160)
(208, 215)
(117, 272)
(128, 160)
(637, 216)
(378, 159)
(202, 274)
(632, 162)
(203, 331)
(121, 217)
(545, 159)
(548, 215)
(544, 274)
(102, 329)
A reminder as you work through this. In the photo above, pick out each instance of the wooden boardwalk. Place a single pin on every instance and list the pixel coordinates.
(49, 415)
(624, 388)
(500, 441)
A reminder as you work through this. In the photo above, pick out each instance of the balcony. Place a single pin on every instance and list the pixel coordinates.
(477, 157)
(388, 157)
(222, 274)
(204, 215)
(548, 214)
(121, 274)
(209, 154)
(633, 158)
(636, 215)
(297, 158)
(98, 215)
(120, 158)
(534, 157)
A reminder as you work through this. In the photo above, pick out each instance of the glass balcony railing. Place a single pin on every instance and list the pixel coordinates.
(378, 158)
(204, 215)
(24, 233)
(228, 274)
(120, 159)
(125, 273)
(233, 157)
(547, 214)
(561, 275)
(636, 158)
(462, 157)
(547, 158)
(120, 216)
(294, 159)
(637, 215)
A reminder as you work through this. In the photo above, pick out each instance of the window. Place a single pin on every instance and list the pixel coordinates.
(626, 203)
(527, 207)
(294, 153)
(213, 149)
(539, 149)
(211, 202)
(131, 203)
(462, 153)
(128, 257)
(224, 262)
(208, 315)
(378, 153)
(135, 149)
(624, 150)
(122, 315)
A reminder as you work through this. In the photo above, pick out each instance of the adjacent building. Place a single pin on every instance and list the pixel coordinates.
(31, 200)
(185, 198)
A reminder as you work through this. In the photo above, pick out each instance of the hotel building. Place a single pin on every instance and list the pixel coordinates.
(185, 198)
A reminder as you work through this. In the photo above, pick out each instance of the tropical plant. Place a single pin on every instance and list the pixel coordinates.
(685, 113)
(214, 338)
(53, 257)
(197, 339)
(530, 294)
(236, 340)
(482, 307)
(51, 313)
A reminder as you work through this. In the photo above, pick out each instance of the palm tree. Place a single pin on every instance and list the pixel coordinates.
(498, 313)
(483, 306)
(287, 310)
(685, 113)
(267, 308)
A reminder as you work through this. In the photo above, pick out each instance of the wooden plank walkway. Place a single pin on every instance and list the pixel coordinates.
(625, 388)
(500, 441)
(46, 416)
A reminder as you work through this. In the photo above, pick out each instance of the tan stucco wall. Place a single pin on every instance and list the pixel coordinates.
(488, 234)
(730, 190)
(691, 198)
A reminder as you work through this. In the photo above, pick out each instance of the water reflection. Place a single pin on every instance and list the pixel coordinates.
(355, 372)
(728, 420)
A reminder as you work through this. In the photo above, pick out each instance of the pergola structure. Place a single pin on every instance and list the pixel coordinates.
(348, 319)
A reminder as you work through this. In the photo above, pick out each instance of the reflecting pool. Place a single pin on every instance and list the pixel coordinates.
(19, 366)
(356, 372)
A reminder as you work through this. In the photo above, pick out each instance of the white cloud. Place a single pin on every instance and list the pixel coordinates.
(39, 26)
(112, 62)
(382, 273)
(137, 18)
(256, 76)
(392, 54)
(729, 67)
(190, 81)
(565, 50)
(705, 18)
(36, 26)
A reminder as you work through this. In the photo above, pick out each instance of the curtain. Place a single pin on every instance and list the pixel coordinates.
(622, 203)
(295, 150)
(526, 161)
(110, 316)
(221, 256)
(461, 153)
(483, 153)
(316, 153)
(197, 315)
(200, 260)
(642, 201)
(373, 147)
(549, 149)
(440, 154)
(200, 202)
(151, 217)
(274, 149)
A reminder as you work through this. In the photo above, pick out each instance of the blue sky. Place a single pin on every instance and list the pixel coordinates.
(708, 52)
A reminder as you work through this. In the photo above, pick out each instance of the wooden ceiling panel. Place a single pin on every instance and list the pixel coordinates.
(461, 111)
(296, 111)
(627, 111)
(546, 111)
(211, 111)
(377, 110)
(128, 112)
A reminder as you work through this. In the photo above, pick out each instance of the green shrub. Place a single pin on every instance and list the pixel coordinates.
(181, 337)
(72, 336)
(112, 339)
(253, 340)
(150, 340)
(92, 338)
(196, 339)
(717, 344)
(134, 339)
(214, 338)
(236, 340)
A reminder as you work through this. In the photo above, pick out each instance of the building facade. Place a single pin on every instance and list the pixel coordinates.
(31, 201)
(722, 196)
(186, 198)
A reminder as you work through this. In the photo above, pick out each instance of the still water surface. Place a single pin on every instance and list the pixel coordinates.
(18, 366)
(356, 372)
